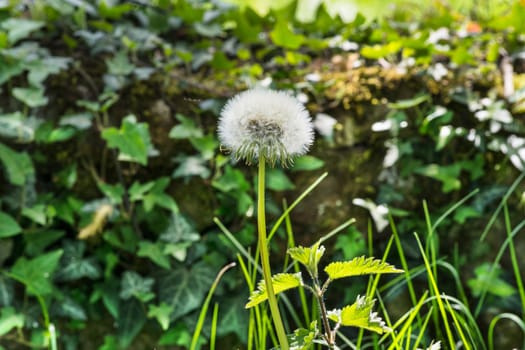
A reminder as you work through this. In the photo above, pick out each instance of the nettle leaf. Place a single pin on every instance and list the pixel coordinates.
(18, 166)
(184, 289)
(161, 313)
(8, 226)
(134, 285)
(132, 140)
(303, 339)
(20, 28)
(359, 315)
(31, 96)
(9, 319)
(358, 266)
(36, 274)
(280, 282)
(308, 256)
(155, 252)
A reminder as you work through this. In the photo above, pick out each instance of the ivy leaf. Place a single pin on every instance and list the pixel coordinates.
(191, 166)
(31, 96)
(179, 230)
(186, 129)
(184, 288)
(36, 273)
(280, 281)
(74, 266)
(155, 252)
(132, 140)
(18, 166)
(309, 256)
(9, 319)
(119, 64)
(134, 285)
(131, 319)
(20, 28)
(358, 266)
(39, 70)
(277, 180)
(359, 315)
(283, 36)
(447, 174)
(161, 313)
(7, 291)
(8, 226)
(69, 308)
(14, 127)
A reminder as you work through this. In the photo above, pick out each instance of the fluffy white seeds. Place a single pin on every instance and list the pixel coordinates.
(265, 123)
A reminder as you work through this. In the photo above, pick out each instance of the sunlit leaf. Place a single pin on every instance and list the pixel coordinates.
(20, 28)
(359, 315)
(358, 266)
(132, 140)
(283, 36)
(280, 282)
(161, 313)
(308, 256)
(9, 319)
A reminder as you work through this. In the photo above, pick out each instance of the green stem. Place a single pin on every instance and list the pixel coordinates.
(265, 258)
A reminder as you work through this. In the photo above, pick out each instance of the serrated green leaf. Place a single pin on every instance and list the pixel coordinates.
(18, 166)
(280, 282)
(8, 226)
(36, 274)
(31, 96)
(132, 140)
(303, 339)
(184, 288)
(358, 266)
(359, 314)
(308, 256)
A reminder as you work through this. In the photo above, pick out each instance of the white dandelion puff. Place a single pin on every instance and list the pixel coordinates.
(265, 123)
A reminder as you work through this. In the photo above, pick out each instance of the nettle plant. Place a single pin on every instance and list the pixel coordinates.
(265, 126)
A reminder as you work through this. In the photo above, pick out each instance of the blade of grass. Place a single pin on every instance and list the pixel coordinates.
(436, 292)
(204, 309)
(484, 290)
(294, 204)
(502, 316)
(423, 328)
(213, 333)
(500, 206)
(514, 260)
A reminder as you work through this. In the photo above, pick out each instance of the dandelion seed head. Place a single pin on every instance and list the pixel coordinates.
(264, 122)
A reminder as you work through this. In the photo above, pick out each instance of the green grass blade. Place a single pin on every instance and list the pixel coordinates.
(294, 204)
(204, 309)
(502, 316)
(213, 333)
(514, 260)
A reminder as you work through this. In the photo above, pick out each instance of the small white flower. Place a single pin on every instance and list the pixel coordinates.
(267, 123)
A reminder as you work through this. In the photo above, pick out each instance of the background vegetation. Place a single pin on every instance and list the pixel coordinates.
(112, 172)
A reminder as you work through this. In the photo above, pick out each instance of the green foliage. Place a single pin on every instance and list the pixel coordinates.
(113, 104)
(358, 266)
(281, 282)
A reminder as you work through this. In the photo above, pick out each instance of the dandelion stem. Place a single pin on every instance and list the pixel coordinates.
(265, 258)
